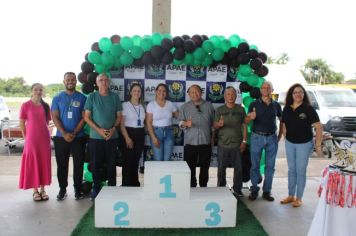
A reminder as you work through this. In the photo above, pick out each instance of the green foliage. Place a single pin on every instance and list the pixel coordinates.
(317, 71)
(280, 60)
(14, 87)
(52, 89)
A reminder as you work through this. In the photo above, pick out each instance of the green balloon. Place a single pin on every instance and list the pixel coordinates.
(126, 59)
(234, 40)
(245, 70)
(188, 59)
(247, 101)
(261, 80)
(136, 52)
(105, 44)
(99, 68)
(199, 54)
(208, 46)
(146, 44)
(107, 59)
(117, 62)
(241, 77)
(218, 54)
(254, 47)
(116, 49)
(207, 61)
(126, 43)
(216, 41)
(94, 57)
(168, 36)
(136, 39)
(225, 45)
(156, 38)
(252, 80)
(177, 62)
(197, 62)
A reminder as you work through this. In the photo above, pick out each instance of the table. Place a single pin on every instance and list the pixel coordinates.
(336, 210)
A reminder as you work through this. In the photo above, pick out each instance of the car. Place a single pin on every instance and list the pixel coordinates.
(4, 112)
(335, 106)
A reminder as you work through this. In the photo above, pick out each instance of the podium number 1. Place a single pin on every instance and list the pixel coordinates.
(215, 218)
(167, 181)
(123, 210)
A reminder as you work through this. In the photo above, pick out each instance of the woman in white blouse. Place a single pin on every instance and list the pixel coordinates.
(132, 129)
(159, 124)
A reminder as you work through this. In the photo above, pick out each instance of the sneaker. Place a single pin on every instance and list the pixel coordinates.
(253, 196)
(62, 194)
(78, 196)
(267, 196)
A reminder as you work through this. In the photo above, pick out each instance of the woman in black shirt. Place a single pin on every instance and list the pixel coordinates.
(298, 118)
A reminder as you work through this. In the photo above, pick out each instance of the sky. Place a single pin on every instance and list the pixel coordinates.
(40, 40)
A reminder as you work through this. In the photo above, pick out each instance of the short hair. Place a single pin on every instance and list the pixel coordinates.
(232, 88)
(197, 86)
(101, 75)
(69, 73)
(269, 83)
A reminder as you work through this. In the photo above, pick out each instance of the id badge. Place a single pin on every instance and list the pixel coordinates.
(138, 122)
(70, 115)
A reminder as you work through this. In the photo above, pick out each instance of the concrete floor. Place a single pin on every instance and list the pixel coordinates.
(20, 215)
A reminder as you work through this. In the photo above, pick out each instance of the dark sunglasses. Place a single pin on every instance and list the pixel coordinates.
(198, 108)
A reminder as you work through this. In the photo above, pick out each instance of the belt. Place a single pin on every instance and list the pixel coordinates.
(163, 127)
(264, 133)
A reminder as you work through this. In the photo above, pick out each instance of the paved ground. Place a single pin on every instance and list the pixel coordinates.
(20, 215)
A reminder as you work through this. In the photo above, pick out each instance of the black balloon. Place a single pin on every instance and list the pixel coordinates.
(115, 38)
(167, 43)
(233, 53)
(157, 52)
(167, 58)
(87, 88)
(95, 47)
(225, 60)
(189, 45)
(185, 36)
(147, 58)
(86, 56)
(205, 37)
(198, 39)
(245, 87)
(87, 67)
(243, 59)
(214, 63)
(178, 42)
(256, 63)
(86, 187)
(138, 62)
(179, 54)
(92, 77)
(255, 93)
(243, 47)
(234, 63)
(262, 56)
(253, 53)
(262, 72)
(82, 77)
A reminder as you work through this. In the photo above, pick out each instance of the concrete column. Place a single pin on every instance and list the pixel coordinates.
(161, 16)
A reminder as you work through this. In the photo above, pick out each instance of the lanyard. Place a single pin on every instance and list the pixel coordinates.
(137, 112)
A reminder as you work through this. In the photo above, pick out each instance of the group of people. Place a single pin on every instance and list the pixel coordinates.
(103, 111)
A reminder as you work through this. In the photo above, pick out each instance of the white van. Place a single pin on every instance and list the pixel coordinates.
(336, 108)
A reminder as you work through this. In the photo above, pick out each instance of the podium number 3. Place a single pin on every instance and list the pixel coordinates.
(167, 181)
(123, 210)
(215, 218)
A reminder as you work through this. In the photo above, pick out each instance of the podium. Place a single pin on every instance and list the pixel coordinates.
(165, 201)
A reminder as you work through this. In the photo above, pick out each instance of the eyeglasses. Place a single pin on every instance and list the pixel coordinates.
(198, 108)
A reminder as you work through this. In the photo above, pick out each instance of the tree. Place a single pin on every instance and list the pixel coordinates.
(317, 71)
(280, 60)
(14, 87)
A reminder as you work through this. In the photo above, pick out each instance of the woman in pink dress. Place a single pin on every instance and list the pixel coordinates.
(36, 158)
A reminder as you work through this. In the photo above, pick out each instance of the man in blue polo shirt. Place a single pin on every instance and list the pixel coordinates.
(67, 113)
(263, 112)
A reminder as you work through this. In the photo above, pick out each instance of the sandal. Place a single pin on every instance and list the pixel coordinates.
(287, 200)
(44, 195)
(36, 196)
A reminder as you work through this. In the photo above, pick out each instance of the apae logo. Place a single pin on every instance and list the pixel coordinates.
(196, 73)
(176, 91)
(155, 71)
(215, 92)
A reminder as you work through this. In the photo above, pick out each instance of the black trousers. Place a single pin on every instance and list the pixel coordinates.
(131, 157)
(62, 150)
(103, 159)
(198, 155)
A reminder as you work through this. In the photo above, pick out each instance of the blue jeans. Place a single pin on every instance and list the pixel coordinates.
(166, 140)
(297, 158)
(270, 144)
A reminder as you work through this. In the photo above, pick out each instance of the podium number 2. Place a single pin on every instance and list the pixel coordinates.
(123, 210)
(215, 218)
(167, 181)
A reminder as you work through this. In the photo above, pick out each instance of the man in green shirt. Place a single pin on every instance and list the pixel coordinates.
(103, 114)
(232, 133)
